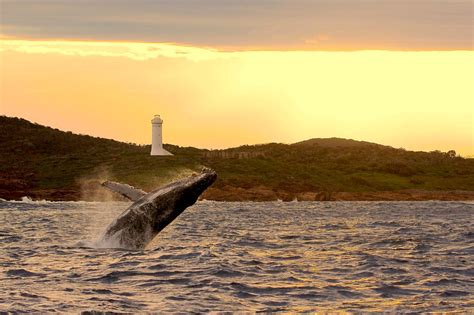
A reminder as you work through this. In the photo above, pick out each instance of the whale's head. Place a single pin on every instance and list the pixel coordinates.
(182, 193)
(193, 186)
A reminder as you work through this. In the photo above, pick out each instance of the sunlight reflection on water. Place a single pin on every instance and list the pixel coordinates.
(304, 256)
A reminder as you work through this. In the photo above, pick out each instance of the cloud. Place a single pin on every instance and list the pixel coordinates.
(244, 24)
(317, 40)
(135, 51)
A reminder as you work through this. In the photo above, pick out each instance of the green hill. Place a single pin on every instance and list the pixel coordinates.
(43, 162)
(336, 143)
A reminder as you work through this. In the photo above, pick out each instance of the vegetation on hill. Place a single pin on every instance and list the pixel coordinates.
(43, 162)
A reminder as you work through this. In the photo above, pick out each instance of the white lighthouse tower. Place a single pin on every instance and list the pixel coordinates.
(157, 136)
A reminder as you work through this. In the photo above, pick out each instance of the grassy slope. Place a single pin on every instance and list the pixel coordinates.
(35, 159)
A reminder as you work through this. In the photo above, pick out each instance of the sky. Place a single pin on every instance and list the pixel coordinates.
(227, 73)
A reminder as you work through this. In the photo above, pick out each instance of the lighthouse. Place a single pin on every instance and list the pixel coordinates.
(157, 137)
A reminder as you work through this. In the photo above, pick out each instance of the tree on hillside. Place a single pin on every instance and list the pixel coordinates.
(451, 154)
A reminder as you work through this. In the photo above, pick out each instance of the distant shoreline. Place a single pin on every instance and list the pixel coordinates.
(259, 195)
(45, 163)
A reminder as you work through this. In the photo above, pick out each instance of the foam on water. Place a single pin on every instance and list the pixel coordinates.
(275, 256)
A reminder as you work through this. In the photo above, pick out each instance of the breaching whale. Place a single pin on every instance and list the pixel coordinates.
(152, 212)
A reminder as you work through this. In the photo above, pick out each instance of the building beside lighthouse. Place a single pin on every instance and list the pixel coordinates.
(157, 137)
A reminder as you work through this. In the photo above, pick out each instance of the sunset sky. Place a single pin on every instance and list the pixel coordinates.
(227, 73)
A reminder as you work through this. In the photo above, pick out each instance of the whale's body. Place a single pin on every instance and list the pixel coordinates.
(152, 212)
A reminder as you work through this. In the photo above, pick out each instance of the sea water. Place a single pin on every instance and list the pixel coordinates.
(273, 256)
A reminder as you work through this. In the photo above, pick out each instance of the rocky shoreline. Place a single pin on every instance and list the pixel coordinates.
(265, 194)
(252, 194)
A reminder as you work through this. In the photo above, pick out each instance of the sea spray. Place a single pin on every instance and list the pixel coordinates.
(96, 222)
(91, 189)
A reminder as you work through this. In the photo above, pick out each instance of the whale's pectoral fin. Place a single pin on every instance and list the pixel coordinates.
(125, 190)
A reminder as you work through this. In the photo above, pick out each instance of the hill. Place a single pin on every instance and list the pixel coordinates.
(337, 143)
(47, 163)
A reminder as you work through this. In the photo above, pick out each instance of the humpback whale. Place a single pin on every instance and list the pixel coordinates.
(151, 212)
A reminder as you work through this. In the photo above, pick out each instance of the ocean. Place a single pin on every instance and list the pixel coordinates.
(229, 256)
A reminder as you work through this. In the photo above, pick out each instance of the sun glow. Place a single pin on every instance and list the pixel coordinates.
(215, 99)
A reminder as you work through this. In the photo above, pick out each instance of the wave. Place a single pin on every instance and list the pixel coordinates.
(29, 200)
